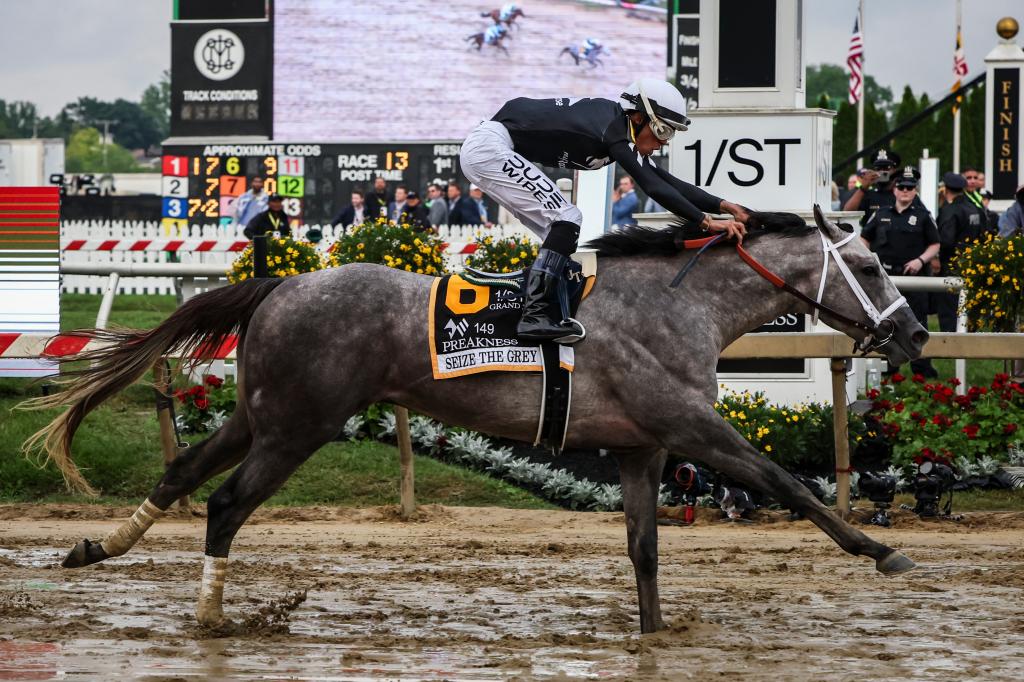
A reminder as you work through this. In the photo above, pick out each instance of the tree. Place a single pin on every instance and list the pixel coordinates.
(156, 102)
(132, 127)
(834, 82)
(85, 154)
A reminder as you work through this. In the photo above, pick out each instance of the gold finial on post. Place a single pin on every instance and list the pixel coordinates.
(1007, 28)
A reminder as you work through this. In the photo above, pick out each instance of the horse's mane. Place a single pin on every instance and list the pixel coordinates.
(634, 240)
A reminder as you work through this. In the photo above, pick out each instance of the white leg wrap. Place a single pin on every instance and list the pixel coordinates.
(209, 610)
(122, 539)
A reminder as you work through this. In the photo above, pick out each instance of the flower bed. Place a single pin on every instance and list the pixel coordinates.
(206, 406)
(993, 271)
(396, 245)
(502, 255)
(923, 419)
(285, 257)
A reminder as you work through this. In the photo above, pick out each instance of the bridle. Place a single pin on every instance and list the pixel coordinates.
(877, 336)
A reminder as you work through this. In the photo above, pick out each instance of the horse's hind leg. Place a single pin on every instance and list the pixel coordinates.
(193, 467)
(640, 475)
(722, 448)
(268, 466)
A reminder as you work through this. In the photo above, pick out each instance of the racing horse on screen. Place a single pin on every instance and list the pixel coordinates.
(317, 348)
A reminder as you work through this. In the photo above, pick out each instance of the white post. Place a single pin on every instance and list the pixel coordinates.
(956, 141)
(108, 301)
(959, 364)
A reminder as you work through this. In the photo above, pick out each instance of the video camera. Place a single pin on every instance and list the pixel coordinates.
(932, 480)
(690, 480)
(880, 489)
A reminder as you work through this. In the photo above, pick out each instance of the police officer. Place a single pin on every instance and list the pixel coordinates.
(959, 222)
(906, 239)
(874, 187)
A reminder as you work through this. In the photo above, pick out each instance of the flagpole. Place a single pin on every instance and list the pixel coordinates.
(956, 108)
(864, 89)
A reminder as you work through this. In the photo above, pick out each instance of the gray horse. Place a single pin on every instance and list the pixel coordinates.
(319, 347)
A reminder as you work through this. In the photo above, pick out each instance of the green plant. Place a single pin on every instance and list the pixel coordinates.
(993, 271)
(799, 438)
(502, 255)
(285, 257)
(396, 245)
(928, 420)
(204, 407)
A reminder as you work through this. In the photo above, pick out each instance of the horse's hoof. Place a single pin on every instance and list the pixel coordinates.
(83, 554)
(894, 563)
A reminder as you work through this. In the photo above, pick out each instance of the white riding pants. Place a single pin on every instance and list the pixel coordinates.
(490, 162)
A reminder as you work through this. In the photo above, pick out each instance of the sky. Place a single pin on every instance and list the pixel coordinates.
(64, 49)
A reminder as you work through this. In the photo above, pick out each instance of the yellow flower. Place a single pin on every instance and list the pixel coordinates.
(360, 246)
(408, 268)
(767, 448)
(514, 261)
(795, 418)
(522, 254)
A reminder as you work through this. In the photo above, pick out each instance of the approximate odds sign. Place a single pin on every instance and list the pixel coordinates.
(201, 183)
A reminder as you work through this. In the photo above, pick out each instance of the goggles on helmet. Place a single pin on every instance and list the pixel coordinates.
(662, 126)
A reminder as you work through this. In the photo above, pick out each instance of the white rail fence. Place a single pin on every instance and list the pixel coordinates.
(125, 231)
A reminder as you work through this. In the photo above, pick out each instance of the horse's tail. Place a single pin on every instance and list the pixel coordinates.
(202, 324)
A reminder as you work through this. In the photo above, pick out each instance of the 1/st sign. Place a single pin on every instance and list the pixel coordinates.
(770, 160)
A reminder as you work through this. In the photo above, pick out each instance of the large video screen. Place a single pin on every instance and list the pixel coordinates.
(393, 70)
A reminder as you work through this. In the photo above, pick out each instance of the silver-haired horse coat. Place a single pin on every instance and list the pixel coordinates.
(319, 347)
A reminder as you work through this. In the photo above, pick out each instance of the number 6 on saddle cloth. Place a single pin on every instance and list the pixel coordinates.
(472, 320)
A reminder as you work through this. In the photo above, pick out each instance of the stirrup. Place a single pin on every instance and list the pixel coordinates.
(570, 339)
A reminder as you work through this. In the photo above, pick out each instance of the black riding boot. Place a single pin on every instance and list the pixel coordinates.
(542, 311)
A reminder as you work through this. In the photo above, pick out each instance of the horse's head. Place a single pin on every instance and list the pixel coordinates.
(858, 288)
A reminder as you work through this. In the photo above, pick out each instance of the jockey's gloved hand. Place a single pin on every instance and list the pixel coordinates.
(733, 228)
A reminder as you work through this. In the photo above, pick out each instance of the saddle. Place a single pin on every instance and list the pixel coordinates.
(472, 329)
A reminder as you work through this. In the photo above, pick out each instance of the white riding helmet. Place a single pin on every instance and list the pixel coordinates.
(664, 105)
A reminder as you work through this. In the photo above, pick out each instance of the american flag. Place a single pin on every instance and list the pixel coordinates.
(959, 67)
(855, 59)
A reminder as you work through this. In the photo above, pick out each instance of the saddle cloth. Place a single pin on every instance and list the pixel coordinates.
(472, 323)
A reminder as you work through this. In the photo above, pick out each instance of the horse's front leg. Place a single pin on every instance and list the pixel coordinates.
(640, 475)
(708, 438)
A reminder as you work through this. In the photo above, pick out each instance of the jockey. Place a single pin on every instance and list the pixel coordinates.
(586, 134)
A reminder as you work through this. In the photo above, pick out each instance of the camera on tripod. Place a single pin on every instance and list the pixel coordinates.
(933, 479)
(880, 489)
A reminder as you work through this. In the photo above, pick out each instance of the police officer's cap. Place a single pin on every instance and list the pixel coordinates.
(954, 181)
(886, 159)
(909, 177)
(275, 197)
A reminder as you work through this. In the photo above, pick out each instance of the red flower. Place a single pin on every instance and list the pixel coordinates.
(953, 381)
(891, 428)
(898, 407)
(202, 403)
(915, 415)
(971, 430)
(941, 420)
(213, 380)
(917, 378)
(1010, 428)
(946, 391)
(197, 391)
(898, 378)
(180, 395)
(873, 393)
(962, 400)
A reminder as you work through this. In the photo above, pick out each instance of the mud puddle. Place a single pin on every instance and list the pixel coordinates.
(500, 594)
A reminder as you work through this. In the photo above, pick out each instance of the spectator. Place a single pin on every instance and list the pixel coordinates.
(652, 206)
(251, 203)
(415, 213)
(905, 238)
(847, 192)
(959, 222)
(269, 221)
(991, 222)
(1011, 223)
(836, 204)
(437, 205)
(477, 196)
(624, 202)
(461, 210)
(353, 214)
(397, 207)
(379, 199)
(975, 183)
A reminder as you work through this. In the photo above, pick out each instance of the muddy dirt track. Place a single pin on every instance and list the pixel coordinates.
(484, 594)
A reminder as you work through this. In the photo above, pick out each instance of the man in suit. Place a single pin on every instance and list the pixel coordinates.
(353, 214)
(461, 210)
(437, 204)
(397, 207)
